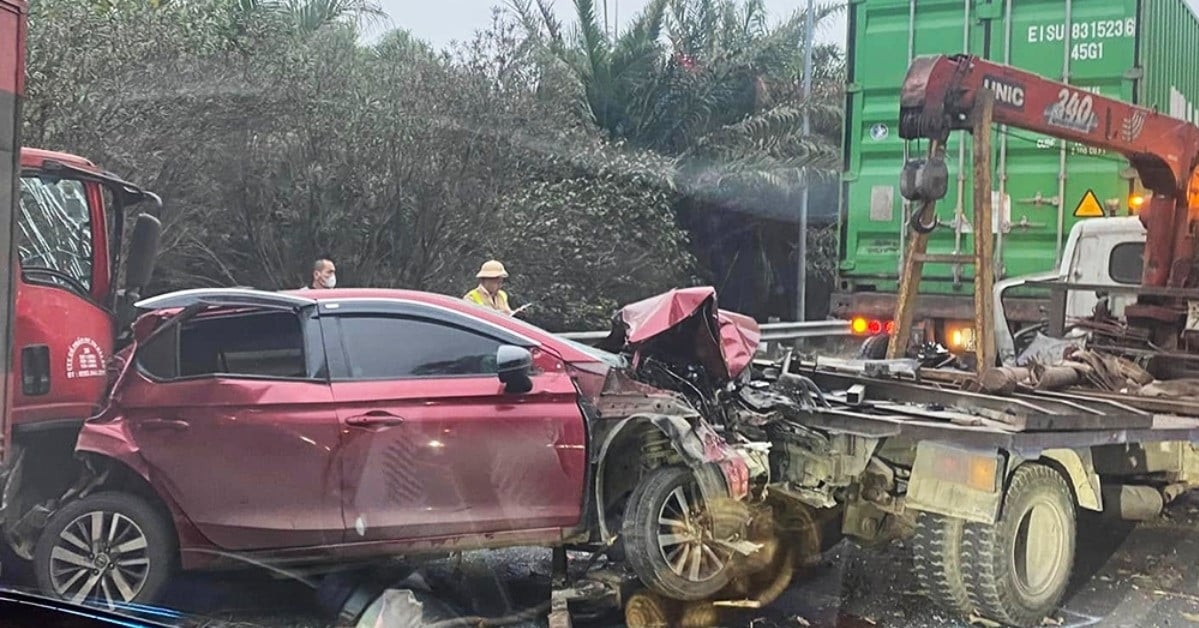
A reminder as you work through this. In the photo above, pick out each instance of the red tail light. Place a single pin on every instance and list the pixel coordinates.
(862, 326)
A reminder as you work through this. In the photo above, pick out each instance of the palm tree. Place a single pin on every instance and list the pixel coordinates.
(713, 84)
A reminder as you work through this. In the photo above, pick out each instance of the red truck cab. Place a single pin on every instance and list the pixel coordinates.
(64, 325)
(68, 235)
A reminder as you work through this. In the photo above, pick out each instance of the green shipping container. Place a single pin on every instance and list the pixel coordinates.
(1139, 51)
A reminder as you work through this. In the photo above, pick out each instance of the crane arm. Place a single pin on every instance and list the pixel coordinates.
(938, 96)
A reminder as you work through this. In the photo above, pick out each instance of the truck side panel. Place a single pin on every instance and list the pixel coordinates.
(12, 78)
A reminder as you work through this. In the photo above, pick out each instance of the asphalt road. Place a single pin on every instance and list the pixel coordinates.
(1145, 575)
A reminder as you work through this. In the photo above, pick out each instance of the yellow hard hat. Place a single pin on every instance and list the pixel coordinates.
(492, 270)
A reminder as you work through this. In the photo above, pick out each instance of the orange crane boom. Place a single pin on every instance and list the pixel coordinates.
(939, 94)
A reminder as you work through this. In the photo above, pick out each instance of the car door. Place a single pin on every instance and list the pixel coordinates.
(234, 415)
(432, 445)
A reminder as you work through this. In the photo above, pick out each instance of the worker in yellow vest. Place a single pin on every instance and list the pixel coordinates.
(490, 291)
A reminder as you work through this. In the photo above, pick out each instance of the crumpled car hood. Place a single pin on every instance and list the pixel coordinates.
(731, 341)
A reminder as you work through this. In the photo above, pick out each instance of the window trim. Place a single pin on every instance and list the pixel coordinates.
(340, 369)
(308, 326)
(1112, 255)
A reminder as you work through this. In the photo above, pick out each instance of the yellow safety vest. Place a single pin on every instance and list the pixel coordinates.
(479, 296)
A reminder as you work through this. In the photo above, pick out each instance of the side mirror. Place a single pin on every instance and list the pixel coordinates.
(143, 248)
(513, 365)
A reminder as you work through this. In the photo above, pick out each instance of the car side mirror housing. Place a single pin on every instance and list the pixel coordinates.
(513, 365)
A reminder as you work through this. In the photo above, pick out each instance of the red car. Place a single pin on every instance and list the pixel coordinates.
(320, 427)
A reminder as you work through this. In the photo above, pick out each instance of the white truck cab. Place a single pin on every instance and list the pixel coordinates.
(1099, 251)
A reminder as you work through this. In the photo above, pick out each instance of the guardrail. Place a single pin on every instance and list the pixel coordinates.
(771, 332)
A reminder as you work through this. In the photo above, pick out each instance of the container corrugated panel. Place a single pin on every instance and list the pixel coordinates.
(1138, 51)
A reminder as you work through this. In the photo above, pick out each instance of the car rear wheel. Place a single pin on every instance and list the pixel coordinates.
(110, 548)
(671, 536)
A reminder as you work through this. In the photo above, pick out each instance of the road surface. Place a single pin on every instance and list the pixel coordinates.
(1144, 576)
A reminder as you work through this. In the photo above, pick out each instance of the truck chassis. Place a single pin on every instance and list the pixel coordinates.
(986, 488)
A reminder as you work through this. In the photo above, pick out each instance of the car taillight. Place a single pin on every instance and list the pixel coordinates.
(862, 326)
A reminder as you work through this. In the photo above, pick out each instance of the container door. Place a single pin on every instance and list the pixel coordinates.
(1054, 184)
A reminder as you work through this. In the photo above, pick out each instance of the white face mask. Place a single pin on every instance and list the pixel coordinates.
(331, 282)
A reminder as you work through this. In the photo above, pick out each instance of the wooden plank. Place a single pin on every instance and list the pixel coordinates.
(984, 238)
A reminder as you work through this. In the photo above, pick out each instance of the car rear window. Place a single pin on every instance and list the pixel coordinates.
(267, 344)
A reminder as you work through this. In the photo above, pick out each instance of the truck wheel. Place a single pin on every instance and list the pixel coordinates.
(1017, 570)
(937, 557)
(108, 547)
(669, 539)
(874, 347)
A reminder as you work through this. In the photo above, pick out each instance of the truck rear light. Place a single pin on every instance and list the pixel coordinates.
(862, 326)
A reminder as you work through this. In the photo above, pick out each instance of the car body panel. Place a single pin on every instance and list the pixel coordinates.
(252, 463)
(736, 336)
(467, 458)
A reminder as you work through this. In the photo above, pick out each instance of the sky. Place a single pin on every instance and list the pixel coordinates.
(442, 21)
(427, 18)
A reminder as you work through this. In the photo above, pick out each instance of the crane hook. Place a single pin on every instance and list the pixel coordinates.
(922, 228)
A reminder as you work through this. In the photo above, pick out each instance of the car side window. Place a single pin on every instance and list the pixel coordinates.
(379, 347)
(266, 344)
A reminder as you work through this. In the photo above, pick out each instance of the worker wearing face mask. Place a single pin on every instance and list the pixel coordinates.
(324, 275)
(490, 291)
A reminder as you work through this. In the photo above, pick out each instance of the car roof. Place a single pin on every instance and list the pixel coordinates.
(241, 298)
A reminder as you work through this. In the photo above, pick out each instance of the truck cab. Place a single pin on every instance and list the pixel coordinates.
(71, 247)
(1101, 252)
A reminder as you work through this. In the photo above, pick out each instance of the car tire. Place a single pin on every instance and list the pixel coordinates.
(658, 553)
(1017, 569)
(937, 561)
(110, 547)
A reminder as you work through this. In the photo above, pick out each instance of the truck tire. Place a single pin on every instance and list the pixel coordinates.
(937, 557)
(874, 347)
(676, 559)
(1017, 570)
(111, 548)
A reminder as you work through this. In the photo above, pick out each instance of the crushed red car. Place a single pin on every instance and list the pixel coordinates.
(318, 428)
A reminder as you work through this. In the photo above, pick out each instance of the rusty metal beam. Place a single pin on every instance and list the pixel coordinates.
(984, 239)
(913, 268)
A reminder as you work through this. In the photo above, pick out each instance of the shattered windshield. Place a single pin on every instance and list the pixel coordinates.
(55, 231)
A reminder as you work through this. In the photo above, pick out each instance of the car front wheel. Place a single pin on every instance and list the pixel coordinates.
(671, 536)
(110, 548)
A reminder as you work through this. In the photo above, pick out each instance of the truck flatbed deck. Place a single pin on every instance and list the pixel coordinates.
(882, 407)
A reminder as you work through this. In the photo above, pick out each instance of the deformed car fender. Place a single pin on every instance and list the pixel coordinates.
(719, 471)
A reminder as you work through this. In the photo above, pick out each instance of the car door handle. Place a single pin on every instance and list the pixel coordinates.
(375, 418)
(165, 424)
